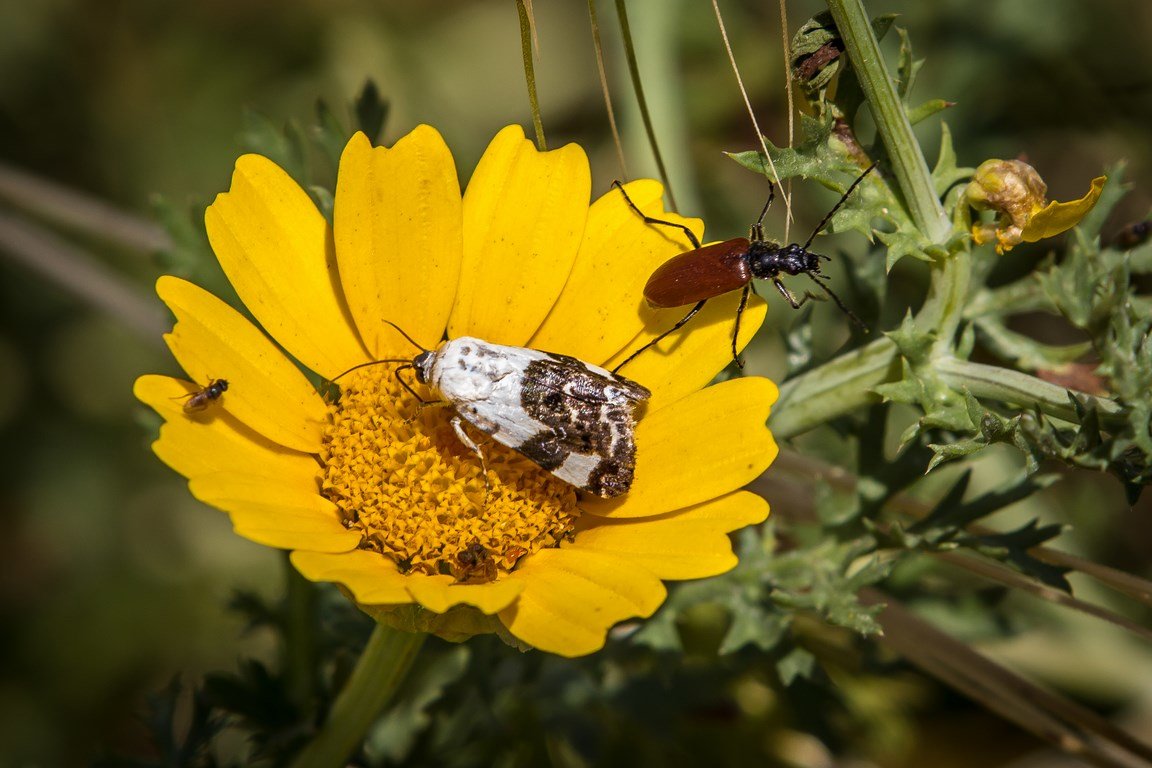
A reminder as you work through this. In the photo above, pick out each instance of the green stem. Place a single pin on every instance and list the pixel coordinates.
(947, 298)
(526, 24)
(1008, 386)
(834, 389)
(641, 102)
(382, 667)
(892, 123)
(299, 637)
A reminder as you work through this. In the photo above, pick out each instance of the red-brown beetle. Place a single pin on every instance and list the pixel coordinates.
(709, 271)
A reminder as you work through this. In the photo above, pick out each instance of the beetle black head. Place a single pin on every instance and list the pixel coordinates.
(767, 260)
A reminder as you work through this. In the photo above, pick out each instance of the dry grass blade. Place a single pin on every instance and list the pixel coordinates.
(793, 474)
(998, 573)
(599, 48)
(752, 114)
(1068, 725)
(641, 102)
(74, 210)
(82, 275)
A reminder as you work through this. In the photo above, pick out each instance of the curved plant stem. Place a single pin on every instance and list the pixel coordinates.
(834, 389)
(1008, 386)
(892, 123)
(382, 667)
(299, 637)
(527, 34)
(641, 102)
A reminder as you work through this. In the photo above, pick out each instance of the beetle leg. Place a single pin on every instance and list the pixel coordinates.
(736, 330)
(680, 324)
(652, 220)
(787, 294)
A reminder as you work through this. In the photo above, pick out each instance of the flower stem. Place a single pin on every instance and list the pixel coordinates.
(834, 389)
(382, 667)
(527, 35)
(904, 152)
(300, 637)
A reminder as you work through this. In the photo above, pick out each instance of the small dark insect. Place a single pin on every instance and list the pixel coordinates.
(202, 398)
(1133, 236)
(709, 271)
(474, 565)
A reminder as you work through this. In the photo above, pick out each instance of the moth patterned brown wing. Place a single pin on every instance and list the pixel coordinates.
(590, 418)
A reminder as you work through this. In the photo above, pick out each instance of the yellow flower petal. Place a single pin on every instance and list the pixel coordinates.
(275, 515)
(572, 598)
(1055, 217)
(700, 447)
(524, 214)
(690, 544)
(215, 441)
(397, 223)
(439, 593)
(597, 312)
(690, 358)
(369, 576)
(266, 390)
(277, 251)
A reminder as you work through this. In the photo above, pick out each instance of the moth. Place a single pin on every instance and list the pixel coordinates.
(574, 419)
(200, 399)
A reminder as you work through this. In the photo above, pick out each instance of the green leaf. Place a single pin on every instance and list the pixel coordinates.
(797, 663)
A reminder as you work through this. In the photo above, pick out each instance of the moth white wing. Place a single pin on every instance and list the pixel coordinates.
(572, 418)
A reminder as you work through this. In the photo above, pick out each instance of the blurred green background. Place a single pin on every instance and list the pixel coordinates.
(112, 578)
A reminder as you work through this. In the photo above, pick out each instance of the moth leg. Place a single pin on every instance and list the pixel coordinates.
(470, 444)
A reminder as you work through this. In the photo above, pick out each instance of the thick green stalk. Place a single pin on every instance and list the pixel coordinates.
(382, 667)
(1007, 386)
(526, 37)
(834, 389)
(904, 153)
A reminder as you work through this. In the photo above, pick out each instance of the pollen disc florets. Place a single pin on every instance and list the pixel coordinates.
(399, 475)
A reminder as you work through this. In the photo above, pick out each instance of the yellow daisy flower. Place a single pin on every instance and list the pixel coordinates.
(372, 491)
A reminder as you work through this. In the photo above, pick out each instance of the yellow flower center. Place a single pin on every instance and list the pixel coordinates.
(400, 475)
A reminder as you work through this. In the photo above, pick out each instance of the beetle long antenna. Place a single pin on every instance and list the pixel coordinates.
(411, 340)
(840, 202)
(843, 307)
(373, 362)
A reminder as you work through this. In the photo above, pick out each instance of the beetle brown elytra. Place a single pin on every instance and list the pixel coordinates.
(705, 272)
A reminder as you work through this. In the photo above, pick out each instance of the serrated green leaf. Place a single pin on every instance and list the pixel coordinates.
(797, 663)
(754, 626)
(922, 112)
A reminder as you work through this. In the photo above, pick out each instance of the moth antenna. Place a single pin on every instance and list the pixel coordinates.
(840, 202)
(843, 307)
(370, 363)
(411, 340)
